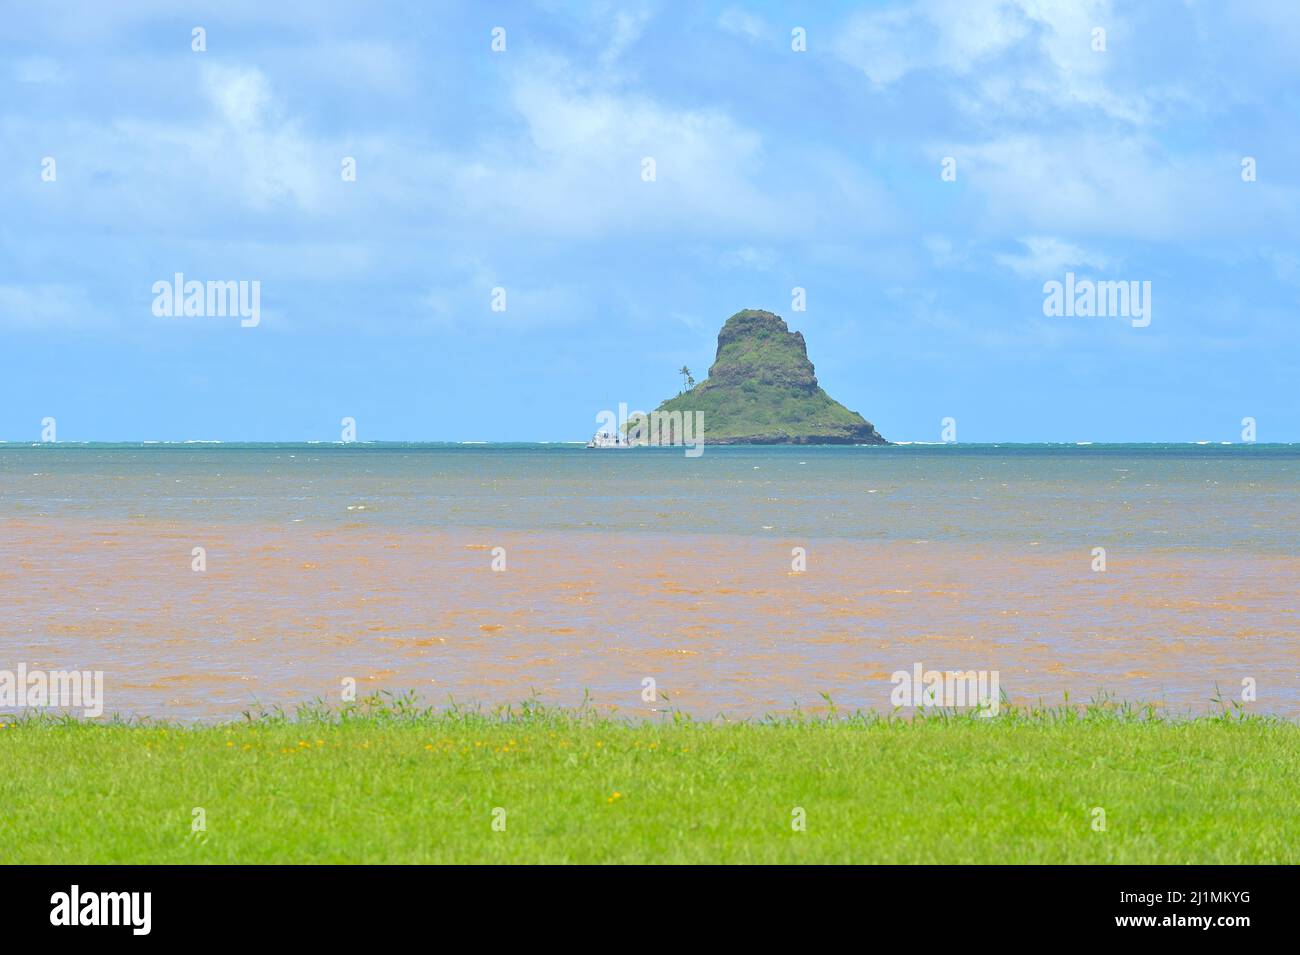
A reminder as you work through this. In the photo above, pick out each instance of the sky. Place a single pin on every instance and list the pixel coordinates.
(920, 170)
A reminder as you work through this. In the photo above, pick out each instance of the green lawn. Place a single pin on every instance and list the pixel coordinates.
(395, 786)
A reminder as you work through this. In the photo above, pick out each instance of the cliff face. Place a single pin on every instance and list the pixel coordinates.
(762, 390)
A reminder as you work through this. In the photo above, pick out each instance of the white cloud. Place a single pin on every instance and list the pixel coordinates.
(243, 151)
(626, 29)
(563, 160)
(739, 22)
(578, 170)
(748, 257)
(1108, 184)
(464, 304)
(272, 159)
(877, 43)
(241, 95)
(1054, 65)
(951, 35)
(1047, 257)
(944, 254)
(45, 307)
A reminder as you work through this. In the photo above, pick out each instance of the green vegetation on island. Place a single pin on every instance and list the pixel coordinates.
(762, 390)
(387, 782)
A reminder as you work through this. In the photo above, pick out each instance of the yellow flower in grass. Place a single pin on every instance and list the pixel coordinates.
(617, 795)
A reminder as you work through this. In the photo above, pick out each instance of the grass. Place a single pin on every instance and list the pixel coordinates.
(387, 781)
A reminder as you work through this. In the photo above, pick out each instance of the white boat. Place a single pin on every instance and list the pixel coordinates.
(608, 439)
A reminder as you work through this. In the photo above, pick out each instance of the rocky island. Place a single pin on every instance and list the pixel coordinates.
(762, 390)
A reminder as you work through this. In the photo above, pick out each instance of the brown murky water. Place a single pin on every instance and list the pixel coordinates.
(286, 611)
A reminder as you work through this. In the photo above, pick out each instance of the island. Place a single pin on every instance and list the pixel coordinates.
(762, 390)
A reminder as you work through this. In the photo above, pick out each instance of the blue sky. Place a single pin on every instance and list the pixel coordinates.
(522, 169)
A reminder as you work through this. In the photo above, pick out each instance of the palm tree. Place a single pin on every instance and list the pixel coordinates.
(686, 377)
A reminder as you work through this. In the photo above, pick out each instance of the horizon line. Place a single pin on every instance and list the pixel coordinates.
(336, 443)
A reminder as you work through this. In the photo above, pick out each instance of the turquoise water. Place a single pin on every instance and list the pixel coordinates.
(1176, 496)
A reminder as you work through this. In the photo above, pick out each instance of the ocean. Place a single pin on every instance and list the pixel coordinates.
(489, 573)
